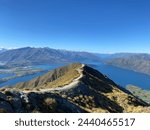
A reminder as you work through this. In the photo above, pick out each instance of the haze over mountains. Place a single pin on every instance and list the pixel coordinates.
(72, 88)
(34, 56)
(2, 50)
(136, 62)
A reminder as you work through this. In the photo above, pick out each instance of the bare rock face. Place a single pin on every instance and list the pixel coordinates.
(73, 88)
(3, 96)
(35, 102)
(5, 107)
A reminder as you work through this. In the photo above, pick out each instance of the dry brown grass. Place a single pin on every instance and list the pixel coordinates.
(62, 81)
(126, 101)
(85, 102)
(138, 109)
(49, 101)
(9, 98)
(55, 78)
(3, 110)
(2, 89)
(50, 104)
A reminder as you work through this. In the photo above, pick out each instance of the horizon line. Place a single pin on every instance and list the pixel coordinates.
(13, 48)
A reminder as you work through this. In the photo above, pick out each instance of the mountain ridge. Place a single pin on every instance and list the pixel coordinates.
(34, 56)
(2, 50)
(138, 62)
(91, 92)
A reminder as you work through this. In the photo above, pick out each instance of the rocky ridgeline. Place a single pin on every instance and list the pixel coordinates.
(20, 102)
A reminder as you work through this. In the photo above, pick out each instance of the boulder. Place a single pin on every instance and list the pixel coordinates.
(3, 96)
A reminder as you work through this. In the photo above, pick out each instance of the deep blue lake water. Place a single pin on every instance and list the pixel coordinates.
(6, 75)
(28, 77)
(21, 79)
(122, 77)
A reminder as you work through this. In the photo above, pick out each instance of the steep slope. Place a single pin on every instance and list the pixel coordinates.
(73, 88)
(55, 78)
(30, 56)
(137, 62)
(140, 93)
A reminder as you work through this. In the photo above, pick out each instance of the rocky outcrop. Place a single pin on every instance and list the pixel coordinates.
(35, 102)
(73, 88)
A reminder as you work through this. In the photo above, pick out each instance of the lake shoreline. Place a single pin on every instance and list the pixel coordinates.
(120, 76)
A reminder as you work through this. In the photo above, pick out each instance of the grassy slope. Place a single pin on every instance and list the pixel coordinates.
(94, 93)
(55, 78)
(138, 92)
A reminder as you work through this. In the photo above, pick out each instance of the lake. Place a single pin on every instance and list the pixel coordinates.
(122, 77)
(14, 81)
(6, 75)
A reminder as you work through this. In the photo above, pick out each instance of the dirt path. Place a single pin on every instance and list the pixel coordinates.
(66, 87)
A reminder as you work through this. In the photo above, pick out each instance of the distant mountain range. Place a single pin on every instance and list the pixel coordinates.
(2, 50)
(34, 56)
(115, 55)
(136, 62)
(72, 88)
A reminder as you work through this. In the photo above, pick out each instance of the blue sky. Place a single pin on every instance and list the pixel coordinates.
(104, 26)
